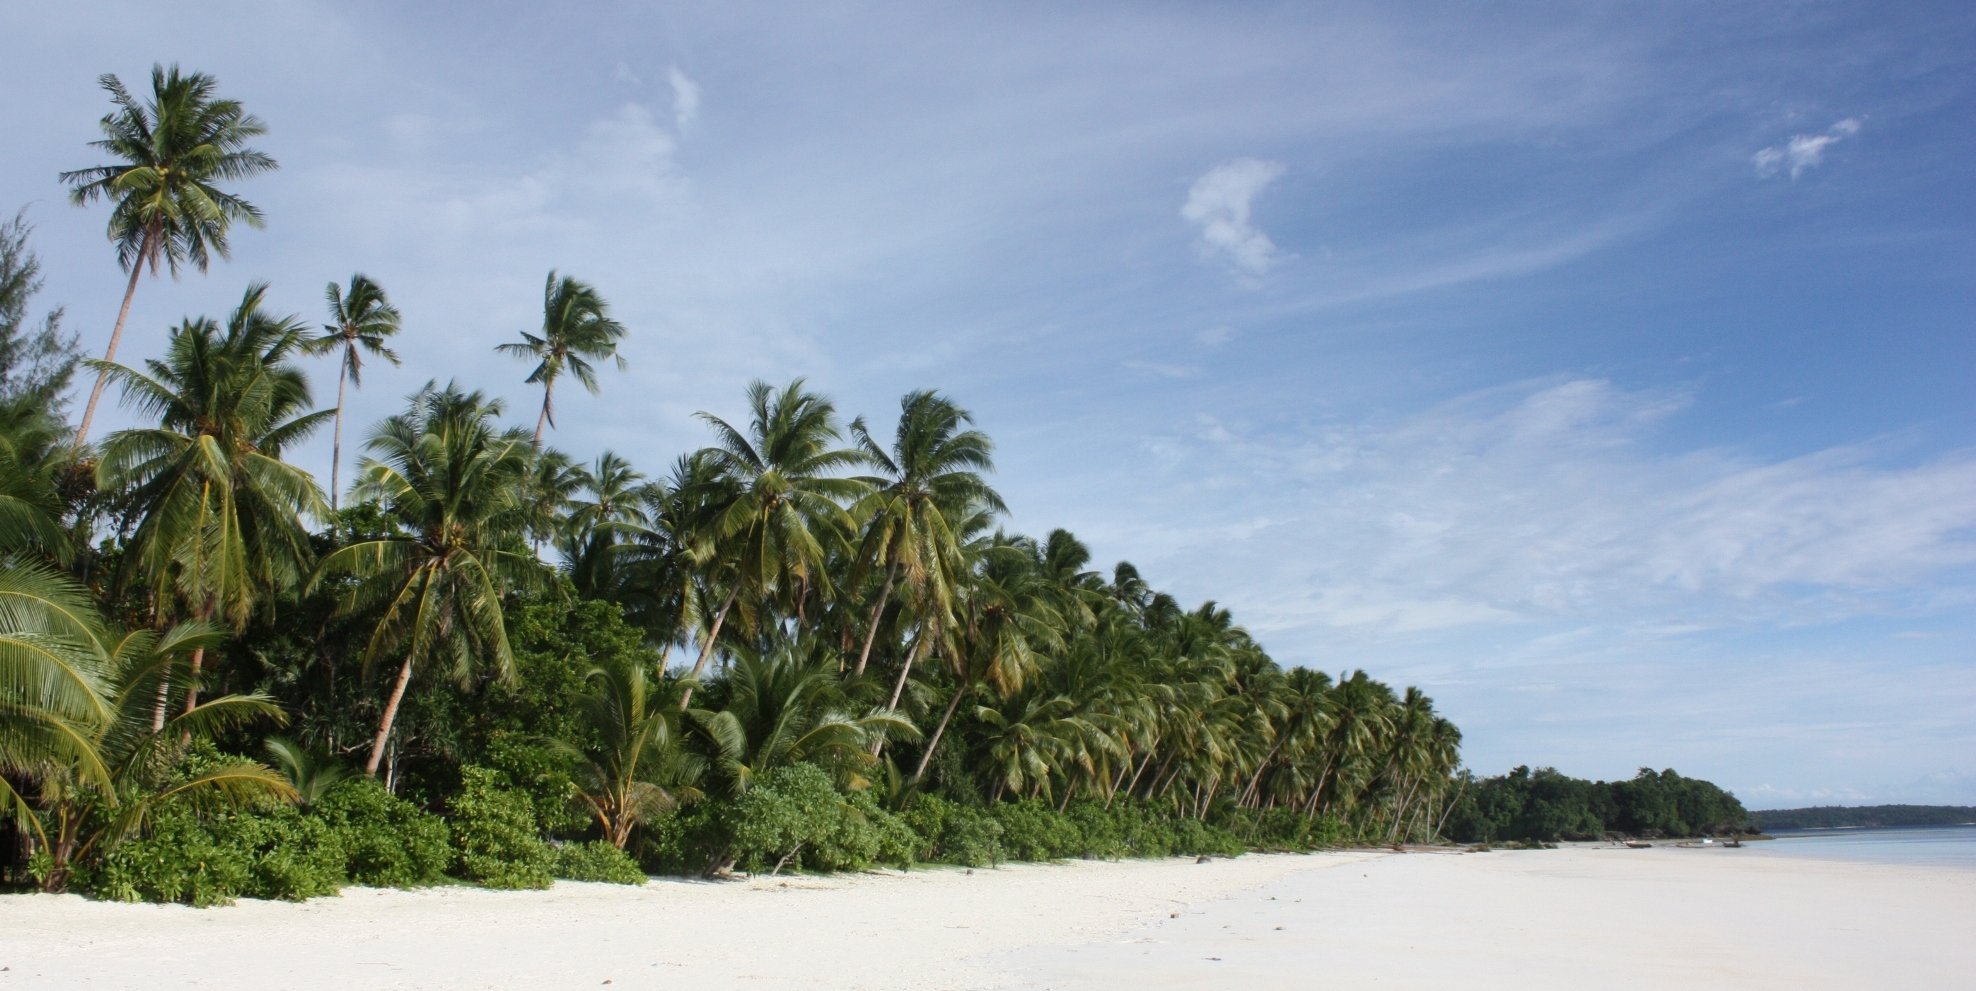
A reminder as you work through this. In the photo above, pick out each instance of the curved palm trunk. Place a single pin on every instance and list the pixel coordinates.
(390, 716)
(871, 631)
(934, 744)
(707, 649)
(144, 251)
(336, 439)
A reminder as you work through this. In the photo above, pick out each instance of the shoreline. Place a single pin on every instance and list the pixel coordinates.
(1552, 918)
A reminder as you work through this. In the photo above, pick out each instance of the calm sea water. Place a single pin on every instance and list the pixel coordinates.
(1945, 846)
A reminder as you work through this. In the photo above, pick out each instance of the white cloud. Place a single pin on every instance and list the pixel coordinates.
(1220, 203)
(1214, 337)
(685, 98)
(1803, 151)
(1553, 502)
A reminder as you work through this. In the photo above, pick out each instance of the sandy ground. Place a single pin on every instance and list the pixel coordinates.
(1549, 919)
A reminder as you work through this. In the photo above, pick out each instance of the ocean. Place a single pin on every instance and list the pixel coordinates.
(1941, 846)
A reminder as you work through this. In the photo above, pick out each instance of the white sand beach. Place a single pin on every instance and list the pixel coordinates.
(1544, 919)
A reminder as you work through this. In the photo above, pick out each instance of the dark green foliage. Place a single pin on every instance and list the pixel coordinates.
(794, 817)
(1033, 831)
(36, 359)
(596, 861)
(263, 852)
(1547, 806)
(494, 832)
(386, 841)
(951, 833)
(1864, 817)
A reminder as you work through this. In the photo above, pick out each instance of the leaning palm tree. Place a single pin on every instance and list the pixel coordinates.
(449, 479)
(219, 512)
(577, 329)
(930, 476)
(363, 318)
(169, 152)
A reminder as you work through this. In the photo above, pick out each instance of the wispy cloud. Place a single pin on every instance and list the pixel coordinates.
(1555, 502)
(1221, 202)
(1803, 151)
(685, 98)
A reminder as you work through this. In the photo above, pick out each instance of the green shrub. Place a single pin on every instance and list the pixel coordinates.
(494, 832)
(950, 833)
(386, 840)
(596, 861)
(1032, 830)
(793, 817)
(271, 851)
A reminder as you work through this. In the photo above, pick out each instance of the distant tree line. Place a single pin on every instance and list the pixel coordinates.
(1545, 806)
(1864, 816)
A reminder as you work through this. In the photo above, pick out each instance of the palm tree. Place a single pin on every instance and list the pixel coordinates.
(608, 509)
(783, 502)
(930, 476)
(641, 768)
(449, 479)
(220, 514)
(361, 320)
(54, 672)
(576, 330)
(785, 705)
(169, 154)
(130, 767)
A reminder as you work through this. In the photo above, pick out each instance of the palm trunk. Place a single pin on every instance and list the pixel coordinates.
(898, 689)
(336, 440)
(877, 612)
(934, 744)
(1249, 792)
(144, 250)
(1450, 810)
(1152, 751)
(544, 418)
(390, 716)
(707, 649)
(198, 659)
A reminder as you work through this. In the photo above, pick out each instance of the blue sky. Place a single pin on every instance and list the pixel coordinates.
(1602, 369)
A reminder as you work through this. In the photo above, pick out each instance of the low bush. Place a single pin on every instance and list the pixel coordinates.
(494, 833)
(271, 851)
(596, 861)
(950, 833)
(387, 841)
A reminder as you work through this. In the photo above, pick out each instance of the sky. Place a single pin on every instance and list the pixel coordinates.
(1604, 370)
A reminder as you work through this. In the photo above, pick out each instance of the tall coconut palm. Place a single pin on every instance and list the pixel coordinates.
(166, 207)
(219, 512)
(449, 478)
(784, 502)
(577, 329)
(361, 319)
(929, 476)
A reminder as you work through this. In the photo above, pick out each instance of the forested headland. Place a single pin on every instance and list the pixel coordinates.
(811, 643)
(1864, 816)
(1546, 806)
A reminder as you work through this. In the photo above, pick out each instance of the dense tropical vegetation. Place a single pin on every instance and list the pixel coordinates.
(1546, 806)
(810, 644)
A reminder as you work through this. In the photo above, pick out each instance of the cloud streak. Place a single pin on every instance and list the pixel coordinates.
(1803, 151)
